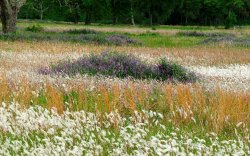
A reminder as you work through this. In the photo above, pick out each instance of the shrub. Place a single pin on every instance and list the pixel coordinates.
(168, 70)
(121, 66)
(35, 28)
(153, 28)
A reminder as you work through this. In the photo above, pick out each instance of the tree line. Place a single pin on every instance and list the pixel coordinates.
(148, 12)
(141, 12)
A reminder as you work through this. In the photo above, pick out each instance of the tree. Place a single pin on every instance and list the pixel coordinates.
(88, 6)
(9, 10)
(74, 8)
(212, 12)
(132, 3)
(40, 6)
(119, 10)
(190, 9)
(157, 12)
(230, 9)
(206, 12)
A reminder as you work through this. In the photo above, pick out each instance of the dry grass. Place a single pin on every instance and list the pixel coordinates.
(189, 56)
(131, 29)
(182, 105)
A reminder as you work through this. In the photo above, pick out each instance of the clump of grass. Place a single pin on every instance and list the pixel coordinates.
(121, 66)
(35, 28)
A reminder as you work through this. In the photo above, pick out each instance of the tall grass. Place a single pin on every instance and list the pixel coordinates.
(182, 105)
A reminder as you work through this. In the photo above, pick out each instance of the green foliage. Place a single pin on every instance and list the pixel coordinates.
(35, 28)
(145, 12)
(231, 20)
(173, 70)
(190, 9)
(153, 28)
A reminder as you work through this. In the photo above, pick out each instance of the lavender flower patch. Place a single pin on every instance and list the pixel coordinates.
(121, 40)
(81, 36)
(121, 66)
(203, 34)
(81, 31)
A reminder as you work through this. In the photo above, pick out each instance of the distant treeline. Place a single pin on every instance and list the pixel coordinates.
(143, 12)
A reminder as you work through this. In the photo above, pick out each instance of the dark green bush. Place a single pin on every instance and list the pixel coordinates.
(35, 28)
(153, 28)
(170, 70)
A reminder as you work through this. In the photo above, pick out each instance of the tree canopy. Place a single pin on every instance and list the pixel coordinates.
(148, 12)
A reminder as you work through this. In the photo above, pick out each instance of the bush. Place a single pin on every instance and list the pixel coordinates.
(168, 70)
(153, 28)
(35, 28)
(121, 66)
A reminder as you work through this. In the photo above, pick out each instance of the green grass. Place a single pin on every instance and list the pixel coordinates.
(150, 39)
(163, 41)
(25, 23)
(147, 40)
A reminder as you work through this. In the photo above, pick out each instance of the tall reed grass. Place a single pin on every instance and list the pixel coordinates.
(182, 105)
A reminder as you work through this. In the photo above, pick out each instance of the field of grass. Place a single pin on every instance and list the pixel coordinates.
(81, 114)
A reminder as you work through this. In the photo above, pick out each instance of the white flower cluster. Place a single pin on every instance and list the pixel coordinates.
(37, 131)
(233, 77)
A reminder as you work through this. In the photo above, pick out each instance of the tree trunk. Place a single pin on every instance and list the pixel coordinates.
(186, 20)
(132, 19)
(132, 13)
(9, 10)
(151, 8)
(9, 19)
(114, 11)
(151, 19)
(41, 15)
(88, 18)
(114, 18)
